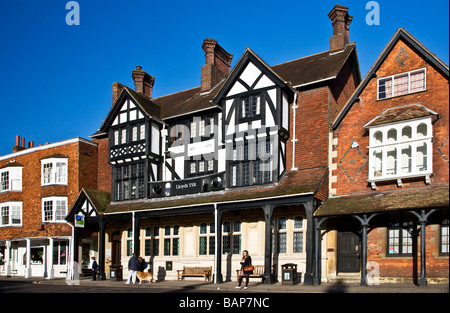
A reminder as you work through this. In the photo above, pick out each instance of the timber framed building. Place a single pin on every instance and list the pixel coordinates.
(239, 163)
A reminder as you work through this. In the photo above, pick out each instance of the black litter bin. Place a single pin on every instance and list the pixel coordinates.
(289, 273)
(116, 272)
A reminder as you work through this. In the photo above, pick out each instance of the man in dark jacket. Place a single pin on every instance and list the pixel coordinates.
(133, 267)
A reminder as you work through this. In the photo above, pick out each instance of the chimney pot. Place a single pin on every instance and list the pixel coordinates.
(17, 140)
(23, 143)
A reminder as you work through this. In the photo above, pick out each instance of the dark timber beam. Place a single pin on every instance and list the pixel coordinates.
(268, 212)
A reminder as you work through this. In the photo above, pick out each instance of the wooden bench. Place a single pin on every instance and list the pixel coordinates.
(195, 272)
(258, 272)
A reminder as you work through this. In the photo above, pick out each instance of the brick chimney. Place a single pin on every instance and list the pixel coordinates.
(143, 82)
(217, 64)
(340, 22)
(116, 91)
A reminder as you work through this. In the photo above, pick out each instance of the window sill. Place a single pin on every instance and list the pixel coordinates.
(403, 95)
(10, 190)
(54, 184)
(399, 179)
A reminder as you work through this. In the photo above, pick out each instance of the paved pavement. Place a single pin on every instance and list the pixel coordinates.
(193, 286)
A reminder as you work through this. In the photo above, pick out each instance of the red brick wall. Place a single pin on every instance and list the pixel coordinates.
(317, 109)
(82, 162)
(406, 266)
(104, 168)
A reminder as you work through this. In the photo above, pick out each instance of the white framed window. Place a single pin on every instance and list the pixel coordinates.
(402, 84)
(54, 209)
(11, 214)
(11, 179)
(54, 171)
(400, 150)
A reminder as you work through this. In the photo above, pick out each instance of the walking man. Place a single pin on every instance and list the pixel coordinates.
(133, 267)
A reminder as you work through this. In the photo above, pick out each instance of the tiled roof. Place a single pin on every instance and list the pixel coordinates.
(402, 113)
(417, 198)
(300, 72)
(313, 68)
(99, 199)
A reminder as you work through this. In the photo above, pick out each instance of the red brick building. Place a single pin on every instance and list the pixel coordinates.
(37, 187)
(387, 216)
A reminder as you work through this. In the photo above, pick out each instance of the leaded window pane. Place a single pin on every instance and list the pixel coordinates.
(226, 244)
(212, 245)
(203, 241)
(298, 242)
(176, 246)
(236, 244)
(281, 244)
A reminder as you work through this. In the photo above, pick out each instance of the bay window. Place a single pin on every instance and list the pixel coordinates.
(400, 150)
(11, 178)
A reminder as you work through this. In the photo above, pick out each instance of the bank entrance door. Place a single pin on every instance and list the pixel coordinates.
(349, 247)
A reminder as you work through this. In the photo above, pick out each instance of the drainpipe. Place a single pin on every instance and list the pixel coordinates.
(294, 140)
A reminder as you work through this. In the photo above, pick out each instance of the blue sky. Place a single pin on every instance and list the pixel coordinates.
(55, 79)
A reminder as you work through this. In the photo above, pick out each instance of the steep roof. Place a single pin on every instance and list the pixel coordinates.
(314, 68)
(100, 200)
(400, 34)
(296, 73)
(184, 102)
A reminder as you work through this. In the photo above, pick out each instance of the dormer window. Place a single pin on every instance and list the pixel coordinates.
(401, 84)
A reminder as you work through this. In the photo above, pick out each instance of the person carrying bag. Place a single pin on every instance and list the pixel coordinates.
(246, 269)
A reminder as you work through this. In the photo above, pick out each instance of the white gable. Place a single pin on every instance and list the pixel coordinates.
(128, 112)
(250, 74)
(237, 88)
(264, 82)
(250, 77)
